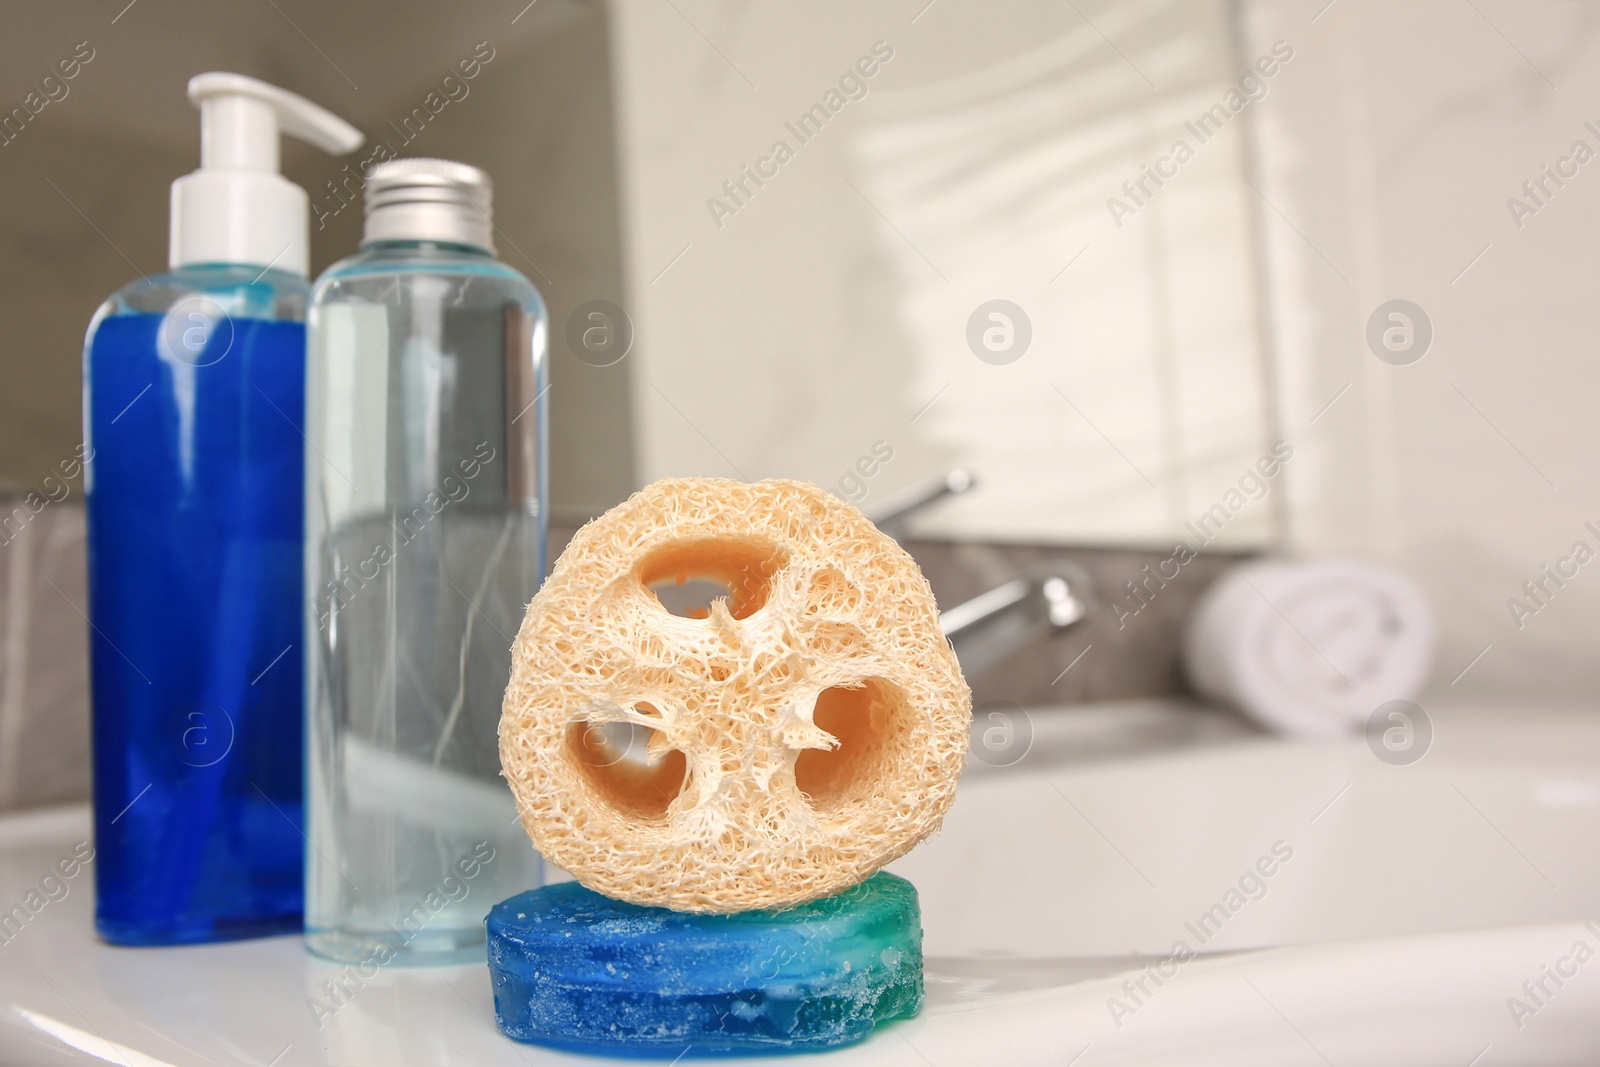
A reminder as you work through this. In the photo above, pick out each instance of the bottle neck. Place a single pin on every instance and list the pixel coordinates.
(391, 244)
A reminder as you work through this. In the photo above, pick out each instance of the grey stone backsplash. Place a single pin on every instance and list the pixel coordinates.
(44, 648)
(44, 693)
(1128, 645)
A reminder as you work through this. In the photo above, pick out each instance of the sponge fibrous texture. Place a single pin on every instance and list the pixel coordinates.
(805, 732)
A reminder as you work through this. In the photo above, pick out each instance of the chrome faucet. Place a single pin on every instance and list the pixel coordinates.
(891, 515)
(993, 625)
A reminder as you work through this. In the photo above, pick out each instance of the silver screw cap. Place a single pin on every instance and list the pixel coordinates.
(429, 200)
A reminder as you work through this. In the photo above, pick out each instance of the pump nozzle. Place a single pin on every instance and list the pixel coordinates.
(236, 208)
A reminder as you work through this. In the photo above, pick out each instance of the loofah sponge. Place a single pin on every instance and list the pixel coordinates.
(804, 733)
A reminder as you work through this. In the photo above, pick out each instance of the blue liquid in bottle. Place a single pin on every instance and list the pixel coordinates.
(194, 398)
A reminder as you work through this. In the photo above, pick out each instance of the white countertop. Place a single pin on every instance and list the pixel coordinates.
(1422, 979)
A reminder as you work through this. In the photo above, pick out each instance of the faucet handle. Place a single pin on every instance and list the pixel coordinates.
(892, 515)
(1055, 597)
(1066, 597)
(992, 626)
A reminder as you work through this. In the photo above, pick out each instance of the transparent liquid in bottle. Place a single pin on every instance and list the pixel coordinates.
(425, 541)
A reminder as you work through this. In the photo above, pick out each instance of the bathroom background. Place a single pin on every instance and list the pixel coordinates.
(834, 320)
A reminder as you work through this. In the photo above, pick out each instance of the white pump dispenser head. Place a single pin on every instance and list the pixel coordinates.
(237, 208)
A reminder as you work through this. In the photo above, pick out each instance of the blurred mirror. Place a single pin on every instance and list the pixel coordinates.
(866, 244)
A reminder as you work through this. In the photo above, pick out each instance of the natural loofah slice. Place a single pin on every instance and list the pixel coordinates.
(806, 732)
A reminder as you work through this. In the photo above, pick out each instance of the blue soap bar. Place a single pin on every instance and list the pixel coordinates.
(576, 970)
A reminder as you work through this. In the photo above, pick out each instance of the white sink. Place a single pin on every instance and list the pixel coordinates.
(1497, 825)
(1415, 900)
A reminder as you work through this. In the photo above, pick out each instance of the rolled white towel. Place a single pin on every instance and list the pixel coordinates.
(1310, 649)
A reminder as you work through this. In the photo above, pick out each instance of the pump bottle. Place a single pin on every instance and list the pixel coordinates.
(193, 403)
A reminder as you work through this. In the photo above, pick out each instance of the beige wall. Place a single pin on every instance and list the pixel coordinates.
(1391, 152)
(826, 317)
(538, 118)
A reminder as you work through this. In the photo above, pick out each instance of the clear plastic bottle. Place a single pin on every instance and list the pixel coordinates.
(425, 539)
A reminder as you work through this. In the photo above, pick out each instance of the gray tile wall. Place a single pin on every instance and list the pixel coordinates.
(1113, 655)
(44, 707)
(44, 678)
